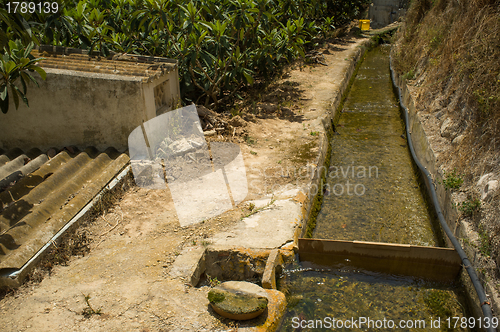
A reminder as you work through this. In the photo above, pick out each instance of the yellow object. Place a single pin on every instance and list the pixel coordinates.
(364, 25)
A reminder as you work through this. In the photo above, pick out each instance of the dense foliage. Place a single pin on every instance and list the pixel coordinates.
(221, 45)
(15, 65)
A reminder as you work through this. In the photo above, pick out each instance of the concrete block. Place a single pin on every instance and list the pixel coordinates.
(189, 265)
(269, 278)
(441, 264)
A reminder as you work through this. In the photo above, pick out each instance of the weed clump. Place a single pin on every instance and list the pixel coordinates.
(470, 206)
(452, 49)
(88, 311)
(484, 242)
(452, 180)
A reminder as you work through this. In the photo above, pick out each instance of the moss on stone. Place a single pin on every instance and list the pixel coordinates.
(216, 296)
(236, 303)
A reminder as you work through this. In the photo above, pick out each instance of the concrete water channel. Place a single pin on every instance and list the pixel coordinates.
(372, 193)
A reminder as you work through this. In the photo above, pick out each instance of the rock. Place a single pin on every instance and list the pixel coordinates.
(449, 129)
(484, 179)
(180, 147)
(489, 189)
(457, 140)
(189, 265)
(273, 265)
(196, 142)
(437, 105)
(237, 121)
(487, 186)
(210, 132)
(239, 300)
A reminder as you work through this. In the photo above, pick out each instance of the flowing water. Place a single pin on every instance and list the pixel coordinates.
(353, 295)
(371, 193)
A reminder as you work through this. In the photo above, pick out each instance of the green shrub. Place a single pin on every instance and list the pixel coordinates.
(221, 45)
(452, 180)
(484, 242)
(470, 206)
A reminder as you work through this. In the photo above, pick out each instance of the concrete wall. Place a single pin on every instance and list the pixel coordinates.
(385, 12)
(166, 93)
(461, 228)
(81, 109)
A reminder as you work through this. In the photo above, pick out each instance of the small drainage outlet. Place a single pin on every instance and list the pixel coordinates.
(233, 264)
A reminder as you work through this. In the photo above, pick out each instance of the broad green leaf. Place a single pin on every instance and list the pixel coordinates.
(9, 67)
(200, 39)
(248, 77)
(27, 77)
(14, 95)
(23, 62)
(23, 82)
(4, 104)
(3, 91)
(23, 96)
(12, 45)
(28, 49)
(40, 71)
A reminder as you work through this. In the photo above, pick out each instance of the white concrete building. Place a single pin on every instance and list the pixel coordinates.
(87, 101)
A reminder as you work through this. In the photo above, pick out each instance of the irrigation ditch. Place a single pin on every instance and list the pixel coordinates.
(344, 278)
(392, 269)
(383, 256)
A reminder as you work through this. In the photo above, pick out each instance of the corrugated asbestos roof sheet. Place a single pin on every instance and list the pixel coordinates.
(148, 68)
(39, 195)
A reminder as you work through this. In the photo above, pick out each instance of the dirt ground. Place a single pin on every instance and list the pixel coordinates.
(120, 282)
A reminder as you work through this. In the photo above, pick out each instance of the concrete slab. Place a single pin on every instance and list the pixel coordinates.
(189, 265)
(269, 276)
(270, 228)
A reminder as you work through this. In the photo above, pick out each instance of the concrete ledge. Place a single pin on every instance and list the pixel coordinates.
(236, 263)
(433, 263)
(273, 262)
(327, 120)
(189, 265)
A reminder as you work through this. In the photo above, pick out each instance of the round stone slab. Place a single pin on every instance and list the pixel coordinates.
(239, 300)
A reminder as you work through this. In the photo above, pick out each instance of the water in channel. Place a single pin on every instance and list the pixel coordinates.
(371, 194)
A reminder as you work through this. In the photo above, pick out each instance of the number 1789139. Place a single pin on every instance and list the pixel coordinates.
(32, 7)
